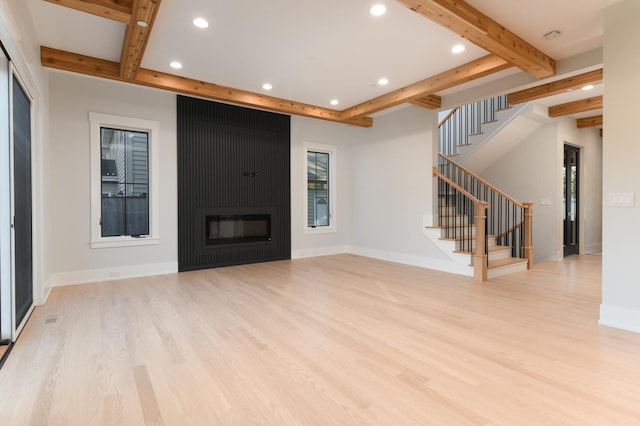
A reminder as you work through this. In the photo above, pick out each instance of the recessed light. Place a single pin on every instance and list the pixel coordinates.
(378, 10)
(587, 87)
(267, 86)
(142, 23)
(458, 48)
(200, 23)
(552, 34)
(334, 102)
(383, 82)
(176, 65)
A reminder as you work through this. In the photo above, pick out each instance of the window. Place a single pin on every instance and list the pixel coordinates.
(320, 188)
(124, 194)
(125, 182)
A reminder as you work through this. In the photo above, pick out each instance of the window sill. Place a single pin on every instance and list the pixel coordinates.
(124, 242)
(321, 230)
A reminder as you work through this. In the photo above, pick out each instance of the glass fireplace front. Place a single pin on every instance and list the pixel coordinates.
(241, 228)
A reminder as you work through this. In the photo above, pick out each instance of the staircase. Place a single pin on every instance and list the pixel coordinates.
(476, 223)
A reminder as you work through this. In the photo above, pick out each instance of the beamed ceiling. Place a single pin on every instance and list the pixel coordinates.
(312, 52)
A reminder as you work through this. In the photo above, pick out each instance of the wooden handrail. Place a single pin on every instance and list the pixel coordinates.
(513, 228)
(480, 264)
(444, 120)
(457, 187)
(514, 201)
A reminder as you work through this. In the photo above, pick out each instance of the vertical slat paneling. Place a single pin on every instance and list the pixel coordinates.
(231, 160)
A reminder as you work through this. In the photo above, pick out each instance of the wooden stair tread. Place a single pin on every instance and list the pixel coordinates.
(490, 249)
(462, 239)
(506, 262)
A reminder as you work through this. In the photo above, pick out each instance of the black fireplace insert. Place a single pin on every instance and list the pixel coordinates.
(237, 228)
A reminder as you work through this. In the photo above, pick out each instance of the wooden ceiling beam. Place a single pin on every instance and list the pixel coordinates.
(462, 74)
(555, 87)
(429, 102)
(575, 107)
(596, 120)
(117, 10)
(136, 36)
(67, 61)
(468, 22)
(81, 64)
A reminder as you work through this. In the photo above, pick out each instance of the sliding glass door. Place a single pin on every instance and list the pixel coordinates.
(22, 223)
(5, 201)
(16, 242)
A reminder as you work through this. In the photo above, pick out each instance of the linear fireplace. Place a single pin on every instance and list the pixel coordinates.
(239, 228)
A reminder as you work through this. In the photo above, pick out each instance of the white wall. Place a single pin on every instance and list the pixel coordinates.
(383, 184)
(532, 171)
(307, 130)
(72, 260)
(392, 188)
(620, 283)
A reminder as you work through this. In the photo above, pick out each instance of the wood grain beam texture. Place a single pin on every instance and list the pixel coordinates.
(575, 107)
(462, 74)
(596, 120)
(467, 21)
(136, 36)
(555, 87)
(67, 61)
(117, 10)
(428, 102)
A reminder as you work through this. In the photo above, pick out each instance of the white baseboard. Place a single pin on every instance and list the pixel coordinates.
(111, 274)
(591, 248)
(318, 251)
(623, 318)
(412, 260)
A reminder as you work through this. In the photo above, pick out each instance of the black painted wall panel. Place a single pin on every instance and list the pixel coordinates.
(231, 160)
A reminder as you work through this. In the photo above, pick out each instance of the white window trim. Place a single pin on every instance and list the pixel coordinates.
(97, 121)
(332, 150)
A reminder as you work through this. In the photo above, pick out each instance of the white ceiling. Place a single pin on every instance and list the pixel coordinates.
(313, 51)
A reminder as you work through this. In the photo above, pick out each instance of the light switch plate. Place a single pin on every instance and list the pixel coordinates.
(622, 199)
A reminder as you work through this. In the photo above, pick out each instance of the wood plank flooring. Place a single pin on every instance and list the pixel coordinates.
(337, 340)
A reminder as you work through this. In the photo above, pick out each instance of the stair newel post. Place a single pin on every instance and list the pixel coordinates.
(480, 254)
(528, 233)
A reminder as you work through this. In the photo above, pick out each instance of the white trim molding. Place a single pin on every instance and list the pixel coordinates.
(332, 150)
(619, 317)
(112, 274)
(98, 120)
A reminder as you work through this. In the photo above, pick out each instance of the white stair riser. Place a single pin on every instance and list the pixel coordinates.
(499, 254)
(453, 220)
(506, 270)
(458, 232)
(490, 243)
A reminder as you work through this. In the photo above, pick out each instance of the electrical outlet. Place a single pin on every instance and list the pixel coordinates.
(114, 274)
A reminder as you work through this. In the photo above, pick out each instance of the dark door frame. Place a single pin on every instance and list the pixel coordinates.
(571, 200)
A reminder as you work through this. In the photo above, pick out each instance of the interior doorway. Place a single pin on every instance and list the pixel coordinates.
(571, 200)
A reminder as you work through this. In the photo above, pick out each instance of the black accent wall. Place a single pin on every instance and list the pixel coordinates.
(231, 160)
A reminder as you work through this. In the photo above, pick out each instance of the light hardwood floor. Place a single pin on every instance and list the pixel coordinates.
(335, 340)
